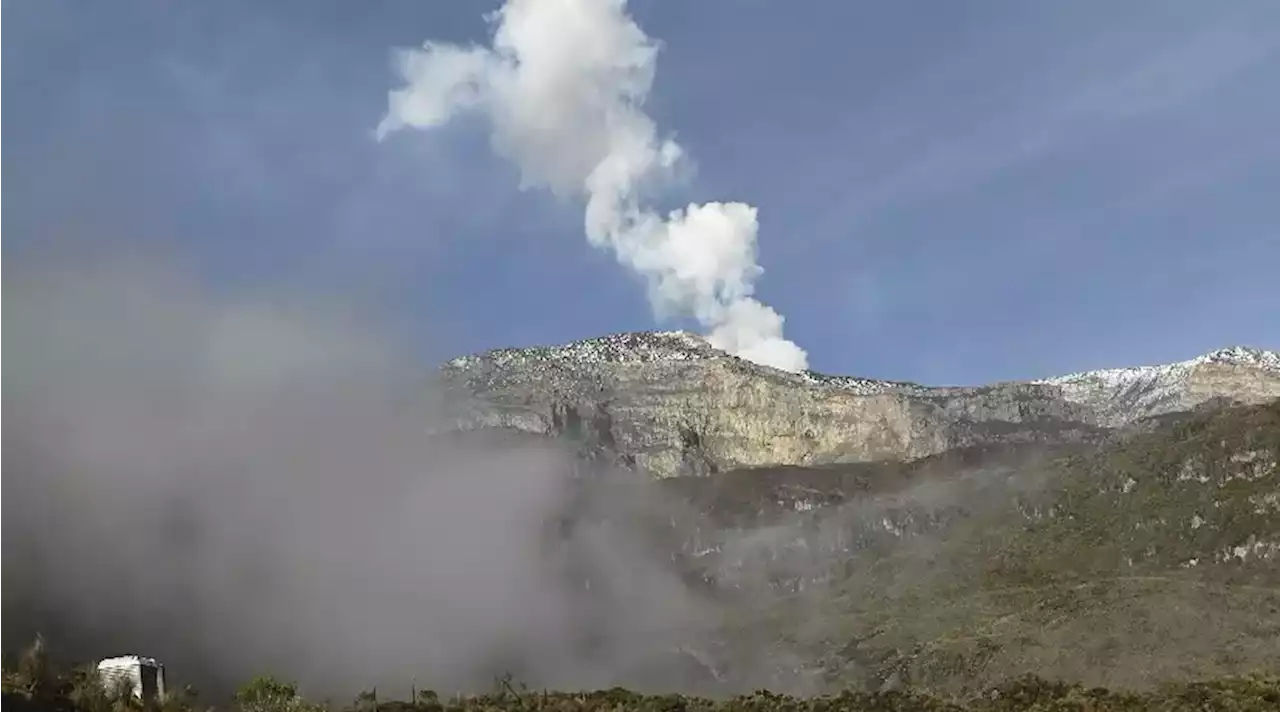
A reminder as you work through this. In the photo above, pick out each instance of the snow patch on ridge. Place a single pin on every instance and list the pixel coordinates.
(1120, 392)
(632, 347)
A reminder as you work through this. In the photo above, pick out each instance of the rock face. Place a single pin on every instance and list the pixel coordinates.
(671, 404)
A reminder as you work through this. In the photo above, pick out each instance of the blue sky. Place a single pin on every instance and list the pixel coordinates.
(948, 192)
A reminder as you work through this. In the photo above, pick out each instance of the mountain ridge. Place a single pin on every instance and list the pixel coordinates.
(672, 404)
(642, 346)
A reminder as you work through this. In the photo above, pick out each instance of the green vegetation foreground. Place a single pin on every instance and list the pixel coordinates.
(34, 685)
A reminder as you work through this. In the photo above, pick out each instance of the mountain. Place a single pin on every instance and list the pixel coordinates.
(671, 404)
(1116, 527)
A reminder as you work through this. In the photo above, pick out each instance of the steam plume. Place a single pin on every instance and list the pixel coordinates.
(564, 86)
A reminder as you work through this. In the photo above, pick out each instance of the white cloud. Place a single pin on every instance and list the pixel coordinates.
(563, 87)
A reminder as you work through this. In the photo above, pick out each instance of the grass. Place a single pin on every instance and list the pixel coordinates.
(34, 686)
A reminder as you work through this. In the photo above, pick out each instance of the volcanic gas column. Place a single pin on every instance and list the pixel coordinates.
(563, 88)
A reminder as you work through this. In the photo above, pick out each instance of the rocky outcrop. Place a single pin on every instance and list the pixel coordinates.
(673, 405)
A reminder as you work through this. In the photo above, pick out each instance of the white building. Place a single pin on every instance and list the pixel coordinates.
(144, 675)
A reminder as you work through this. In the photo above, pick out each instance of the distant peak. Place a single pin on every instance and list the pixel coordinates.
(1245, 356)
(1242, 356)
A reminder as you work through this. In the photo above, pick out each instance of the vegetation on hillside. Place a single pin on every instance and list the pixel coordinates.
(1153, 557)
(34, 685)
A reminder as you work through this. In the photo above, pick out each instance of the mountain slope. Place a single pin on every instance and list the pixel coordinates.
(671, 404)
(1152, 558)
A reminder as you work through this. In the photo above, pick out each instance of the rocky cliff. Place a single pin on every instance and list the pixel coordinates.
(671, 404)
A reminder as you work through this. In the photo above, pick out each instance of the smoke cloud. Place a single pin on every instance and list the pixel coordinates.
(564, 86)
(244, 483)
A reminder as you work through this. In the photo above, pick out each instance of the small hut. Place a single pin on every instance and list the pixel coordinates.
(145, 676)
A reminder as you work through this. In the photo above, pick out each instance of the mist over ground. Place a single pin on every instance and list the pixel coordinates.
(241, 481)
(245, 482)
